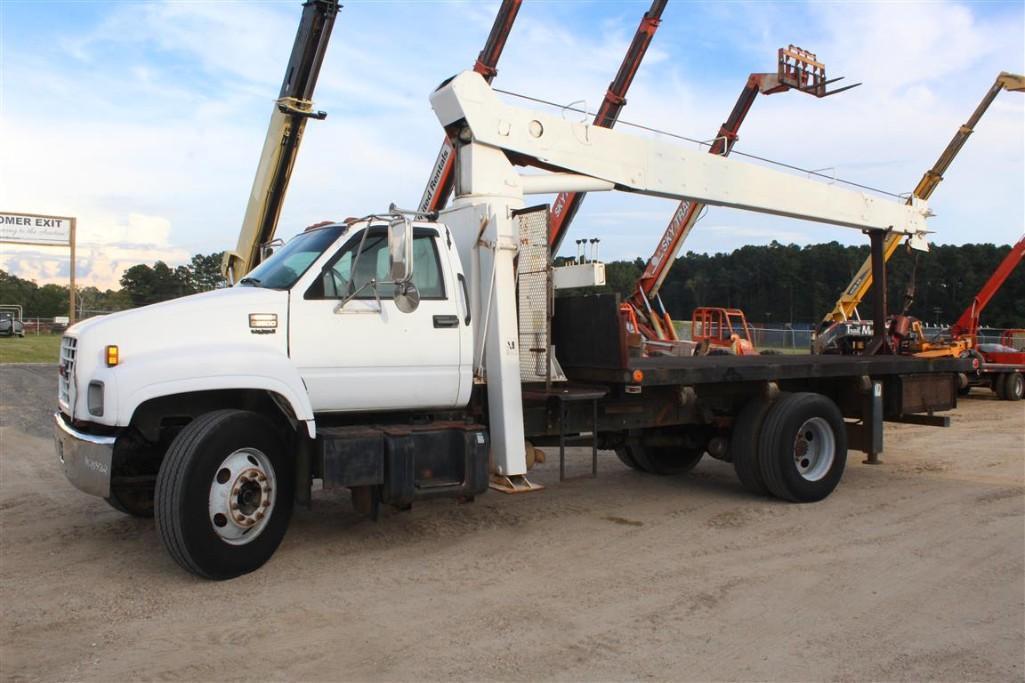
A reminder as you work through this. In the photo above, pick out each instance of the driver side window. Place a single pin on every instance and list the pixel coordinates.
(351, 270)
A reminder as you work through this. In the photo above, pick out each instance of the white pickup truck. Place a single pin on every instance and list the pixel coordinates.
(392, 357)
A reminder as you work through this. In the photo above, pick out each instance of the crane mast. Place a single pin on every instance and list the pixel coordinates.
(796, 69)
(847, 305)
(439, 185)
(566, 204)
(292, 109)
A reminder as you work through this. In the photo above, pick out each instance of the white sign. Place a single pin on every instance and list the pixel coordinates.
(32, 229)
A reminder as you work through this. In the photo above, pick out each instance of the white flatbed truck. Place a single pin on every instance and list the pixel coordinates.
(386, 355)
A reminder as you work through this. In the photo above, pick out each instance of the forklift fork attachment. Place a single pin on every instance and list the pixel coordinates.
(801, 70)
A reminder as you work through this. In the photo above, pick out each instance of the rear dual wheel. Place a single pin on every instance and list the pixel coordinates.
(1010, 386)
(802, 447)
(794, 448)
(744, 445)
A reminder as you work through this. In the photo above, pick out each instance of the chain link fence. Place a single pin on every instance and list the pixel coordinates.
(798, 337)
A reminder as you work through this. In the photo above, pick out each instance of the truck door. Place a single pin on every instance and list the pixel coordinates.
(368, 355)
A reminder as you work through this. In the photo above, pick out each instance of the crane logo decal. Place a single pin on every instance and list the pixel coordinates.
(427, 202)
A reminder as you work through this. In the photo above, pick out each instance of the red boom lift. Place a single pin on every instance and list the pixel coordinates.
(567, 204)
(439, 185)
(1001, 365)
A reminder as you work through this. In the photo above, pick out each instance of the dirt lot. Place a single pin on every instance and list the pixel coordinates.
(911, 570)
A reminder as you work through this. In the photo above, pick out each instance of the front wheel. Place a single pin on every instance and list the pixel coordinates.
(224, 494)
(802, 448)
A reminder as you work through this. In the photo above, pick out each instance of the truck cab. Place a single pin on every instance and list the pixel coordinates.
(335, 329)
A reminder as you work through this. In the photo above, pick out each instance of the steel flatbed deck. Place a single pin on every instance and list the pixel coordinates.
(592, 347)
(718, 369)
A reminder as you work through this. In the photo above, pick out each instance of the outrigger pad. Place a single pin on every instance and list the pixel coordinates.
(518, 483)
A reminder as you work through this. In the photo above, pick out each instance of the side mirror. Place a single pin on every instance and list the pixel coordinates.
(406, 297)
(400, 248)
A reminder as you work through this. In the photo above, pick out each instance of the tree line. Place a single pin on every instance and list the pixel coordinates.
(141, 284)
(782, 284)
(776, 284)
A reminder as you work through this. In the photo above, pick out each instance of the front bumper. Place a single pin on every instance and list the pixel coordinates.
(86, 458)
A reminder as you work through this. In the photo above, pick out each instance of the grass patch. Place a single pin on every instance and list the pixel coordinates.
(44, 348)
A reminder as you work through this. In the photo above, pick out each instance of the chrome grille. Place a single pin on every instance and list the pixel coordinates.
(69, 348)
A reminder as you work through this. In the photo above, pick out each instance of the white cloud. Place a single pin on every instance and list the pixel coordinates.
(105, 246)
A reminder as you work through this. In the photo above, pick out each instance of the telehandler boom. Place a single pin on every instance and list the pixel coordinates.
(292, 109)
(796, 69)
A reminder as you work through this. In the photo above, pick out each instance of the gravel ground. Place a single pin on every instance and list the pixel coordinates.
(912, 570)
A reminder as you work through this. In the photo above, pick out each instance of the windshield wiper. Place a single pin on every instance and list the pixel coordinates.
(249, 281)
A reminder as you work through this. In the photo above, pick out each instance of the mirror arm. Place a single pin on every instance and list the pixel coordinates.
(371, 282)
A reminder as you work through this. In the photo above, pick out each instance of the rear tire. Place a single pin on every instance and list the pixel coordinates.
(1013, 386)
(224, 494)
(744, 445)
(625, 455)
(802, 448)
(998, 386)
(661, 460)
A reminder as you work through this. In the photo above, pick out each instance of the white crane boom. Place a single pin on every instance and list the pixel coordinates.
(653, 167)
(490, 137)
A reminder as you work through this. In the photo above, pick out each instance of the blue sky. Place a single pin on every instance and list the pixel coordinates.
(145, 119)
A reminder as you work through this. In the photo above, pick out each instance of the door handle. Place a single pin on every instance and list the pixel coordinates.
(446, 321)
(466, 297)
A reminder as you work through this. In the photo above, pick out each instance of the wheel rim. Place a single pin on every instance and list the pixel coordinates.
(814, 449)
(242, 495)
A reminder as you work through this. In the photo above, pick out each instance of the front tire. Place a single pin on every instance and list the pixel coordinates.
(802, 448)
(224, 494)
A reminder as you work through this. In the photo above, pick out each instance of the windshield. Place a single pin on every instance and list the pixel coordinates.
(289, 262)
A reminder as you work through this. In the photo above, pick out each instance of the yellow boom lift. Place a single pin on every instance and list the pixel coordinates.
(288, 120)
(847, 305)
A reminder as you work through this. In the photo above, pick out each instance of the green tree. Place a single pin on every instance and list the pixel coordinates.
(205, 272)
(149, 285)
(48, 301)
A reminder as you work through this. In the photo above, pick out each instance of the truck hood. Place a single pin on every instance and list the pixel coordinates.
(212, 318)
